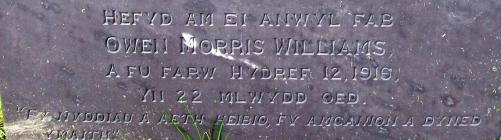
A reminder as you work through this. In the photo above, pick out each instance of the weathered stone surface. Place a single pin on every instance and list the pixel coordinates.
(437, 64)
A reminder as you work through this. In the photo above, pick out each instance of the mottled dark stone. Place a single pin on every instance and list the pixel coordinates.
(444, 55)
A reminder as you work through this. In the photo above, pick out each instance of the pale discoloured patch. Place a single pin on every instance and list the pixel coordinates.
(219, 54)
(28, 128)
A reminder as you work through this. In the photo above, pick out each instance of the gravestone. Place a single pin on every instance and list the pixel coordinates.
(270, 69)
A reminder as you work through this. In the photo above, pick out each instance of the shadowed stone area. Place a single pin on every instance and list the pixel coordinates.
(266, 69)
